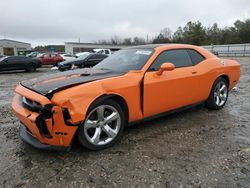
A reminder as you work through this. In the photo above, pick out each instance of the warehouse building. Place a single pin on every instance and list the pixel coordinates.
(11, 47)
(74, 47)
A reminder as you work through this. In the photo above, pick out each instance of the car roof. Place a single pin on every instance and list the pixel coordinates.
(148, 46)
(162, 45)
(169, 46)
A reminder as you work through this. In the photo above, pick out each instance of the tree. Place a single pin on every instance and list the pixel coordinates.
(194, 33)
(164, 36)
(243, 30)
(178, 36)
(115, 40)
(214, 34)
(127, 41)
(139, 41)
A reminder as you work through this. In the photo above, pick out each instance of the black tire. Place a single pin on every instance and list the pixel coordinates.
(61, 69)
(211, 102)
(56, 64)
(81, 134)
(31, 67)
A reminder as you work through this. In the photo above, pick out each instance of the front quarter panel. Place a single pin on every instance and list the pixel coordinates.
(79, 98)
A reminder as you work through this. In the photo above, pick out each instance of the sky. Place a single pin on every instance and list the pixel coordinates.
(42, 22)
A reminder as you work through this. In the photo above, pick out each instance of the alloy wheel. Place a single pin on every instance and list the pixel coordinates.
(220, 93)
(102, 125)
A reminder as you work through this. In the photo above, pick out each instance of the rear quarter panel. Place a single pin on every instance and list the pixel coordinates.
(212, 68)
(232, 69)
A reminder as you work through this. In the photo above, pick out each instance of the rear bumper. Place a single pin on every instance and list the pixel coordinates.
(28, 138)
(47, 130)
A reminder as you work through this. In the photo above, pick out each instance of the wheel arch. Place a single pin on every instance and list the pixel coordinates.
(117, 98)
(31, 63)
(226, 77)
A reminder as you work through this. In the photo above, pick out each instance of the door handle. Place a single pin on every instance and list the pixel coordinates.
(194, 72)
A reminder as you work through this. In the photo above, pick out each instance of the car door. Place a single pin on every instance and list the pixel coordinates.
(3, 63)
(12, 63)
(52, 59)
(172, 89)
(45, 59)
(92, 60)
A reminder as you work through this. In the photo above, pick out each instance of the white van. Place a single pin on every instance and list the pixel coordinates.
(102, 51)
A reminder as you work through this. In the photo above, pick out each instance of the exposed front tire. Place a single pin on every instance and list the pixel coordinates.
(61, 69)
(56, 64)
(103, 126)
(30, 68)
(218, 95)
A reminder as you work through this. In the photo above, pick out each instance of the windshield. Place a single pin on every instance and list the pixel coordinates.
(126, 60)
(2, 58)
(81, 57)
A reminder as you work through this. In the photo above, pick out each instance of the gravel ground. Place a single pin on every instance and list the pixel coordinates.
(192, 148)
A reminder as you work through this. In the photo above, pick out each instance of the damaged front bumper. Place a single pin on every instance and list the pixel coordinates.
(44, 125)
(28, 138)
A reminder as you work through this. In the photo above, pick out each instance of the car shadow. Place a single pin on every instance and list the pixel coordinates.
(19, 72)
(134, 133)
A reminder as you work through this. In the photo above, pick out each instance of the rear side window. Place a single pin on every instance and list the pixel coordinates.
(11, 58)
(180, 58)
(102, 56)
(94, 56)
(106, 52)
(195, 56)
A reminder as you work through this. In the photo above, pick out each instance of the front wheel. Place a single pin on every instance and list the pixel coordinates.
(103, 126)
(30, 68)
(218, 95)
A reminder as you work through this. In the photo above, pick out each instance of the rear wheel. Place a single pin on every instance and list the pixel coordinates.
(219, 94)
(56, 64)
(103, 126)
(30, 68)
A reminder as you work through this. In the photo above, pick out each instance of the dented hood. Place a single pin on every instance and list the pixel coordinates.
(47, 85)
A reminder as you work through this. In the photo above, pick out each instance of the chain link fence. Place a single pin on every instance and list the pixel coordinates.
(230, 50)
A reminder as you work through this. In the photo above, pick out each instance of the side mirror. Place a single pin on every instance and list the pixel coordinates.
(166, 67)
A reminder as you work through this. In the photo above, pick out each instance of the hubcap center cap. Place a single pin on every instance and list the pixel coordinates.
(101, 123)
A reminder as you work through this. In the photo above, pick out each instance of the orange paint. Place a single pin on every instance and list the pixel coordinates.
(161, 92)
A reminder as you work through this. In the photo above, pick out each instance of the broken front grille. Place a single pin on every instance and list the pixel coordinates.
(31, 105)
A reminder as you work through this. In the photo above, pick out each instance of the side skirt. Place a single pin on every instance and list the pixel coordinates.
(165, 113)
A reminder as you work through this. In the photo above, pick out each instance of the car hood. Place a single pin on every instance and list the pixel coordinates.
(70, 61)
(49, 84)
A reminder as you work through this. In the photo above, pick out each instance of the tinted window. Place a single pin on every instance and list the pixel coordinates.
(195, 56)
(95, 56)
(11, 58)
(106, 52)
(179, 58)
(101, 56)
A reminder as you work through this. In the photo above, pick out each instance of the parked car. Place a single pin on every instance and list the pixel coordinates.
(19, 63)
(34, 54)
(103, 51)
(50, 59)
(81, 53)
(86, 60)
(132, 85)
(68, 57)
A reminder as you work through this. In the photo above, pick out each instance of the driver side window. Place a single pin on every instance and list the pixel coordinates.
(178, 57)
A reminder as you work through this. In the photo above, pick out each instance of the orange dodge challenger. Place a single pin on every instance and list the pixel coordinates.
(134, 84)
